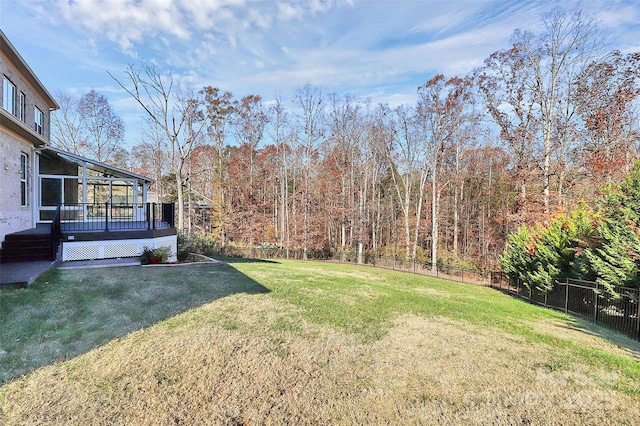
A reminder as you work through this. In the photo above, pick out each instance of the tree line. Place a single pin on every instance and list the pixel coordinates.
(541, 126)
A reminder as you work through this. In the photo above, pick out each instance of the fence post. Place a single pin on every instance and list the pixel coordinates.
(638, 316)
(566, 297)
(595, 304)
(414, 265)
(106, 216)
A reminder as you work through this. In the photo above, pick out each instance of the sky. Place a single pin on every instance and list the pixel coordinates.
(377, 50)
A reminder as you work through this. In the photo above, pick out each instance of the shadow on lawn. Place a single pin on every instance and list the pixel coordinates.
(65, 313)
(232, 260)
(623, 342)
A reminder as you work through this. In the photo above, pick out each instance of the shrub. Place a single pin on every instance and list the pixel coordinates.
(155, 256)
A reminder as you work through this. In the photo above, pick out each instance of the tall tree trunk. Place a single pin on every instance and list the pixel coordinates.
(434, 220)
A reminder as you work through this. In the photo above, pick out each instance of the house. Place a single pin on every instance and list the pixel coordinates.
(56, 205)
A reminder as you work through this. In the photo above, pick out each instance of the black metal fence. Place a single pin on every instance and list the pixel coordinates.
(387, 262)
(617, 309)
(115, 217)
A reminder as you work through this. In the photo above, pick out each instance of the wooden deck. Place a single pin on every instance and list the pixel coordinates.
(79, 231)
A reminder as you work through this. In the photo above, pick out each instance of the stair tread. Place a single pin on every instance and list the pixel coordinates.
(24, 259)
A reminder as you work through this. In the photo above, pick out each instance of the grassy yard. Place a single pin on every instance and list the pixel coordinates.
(300, 343)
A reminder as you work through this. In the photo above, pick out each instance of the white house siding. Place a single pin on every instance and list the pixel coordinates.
(13, 217)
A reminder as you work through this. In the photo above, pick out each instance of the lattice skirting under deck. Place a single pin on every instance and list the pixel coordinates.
(88, 250)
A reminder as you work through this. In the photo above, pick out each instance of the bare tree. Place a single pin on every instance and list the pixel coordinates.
(310, 101)
(103, 128)
(346, 122)
(150, 157)
(553, 59)
(281, 135)
(605, 99)
(67, 127)
(441, 105)
(408, 169)
(249, 121)
(502, 84)
(178, 113)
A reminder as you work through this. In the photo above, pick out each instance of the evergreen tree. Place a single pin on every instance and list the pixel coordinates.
(541, 255)
(616, 259)
(517, 260)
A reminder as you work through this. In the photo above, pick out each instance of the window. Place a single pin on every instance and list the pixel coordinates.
(24, 161)
(22, 107)
(8, 96)
(39, 120)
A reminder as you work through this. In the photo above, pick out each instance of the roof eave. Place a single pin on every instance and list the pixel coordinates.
(102, 165)
(25, 70)
(11, 122)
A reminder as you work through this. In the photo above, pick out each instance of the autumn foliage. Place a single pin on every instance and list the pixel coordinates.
(539, 128)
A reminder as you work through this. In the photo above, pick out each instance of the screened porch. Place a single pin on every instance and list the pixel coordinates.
(85, 195)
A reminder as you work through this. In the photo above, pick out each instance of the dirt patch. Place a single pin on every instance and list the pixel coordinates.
(254, 360)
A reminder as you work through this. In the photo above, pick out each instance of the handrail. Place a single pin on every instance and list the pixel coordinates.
(107, 217)
(56, 233)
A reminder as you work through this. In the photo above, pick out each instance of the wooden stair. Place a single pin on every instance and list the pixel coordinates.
(26, 247)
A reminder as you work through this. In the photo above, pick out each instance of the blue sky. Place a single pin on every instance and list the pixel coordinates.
(380, 50)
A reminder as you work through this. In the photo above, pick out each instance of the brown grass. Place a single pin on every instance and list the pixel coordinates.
(249, 359)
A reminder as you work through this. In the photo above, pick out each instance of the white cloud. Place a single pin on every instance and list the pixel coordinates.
(207, 14)
(289, 12)
(258, 18)
(125, 22)
(382, 49)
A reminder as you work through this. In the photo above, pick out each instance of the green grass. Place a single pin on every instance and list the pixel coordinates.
(68, 312)
(301, 342)
(364, 301)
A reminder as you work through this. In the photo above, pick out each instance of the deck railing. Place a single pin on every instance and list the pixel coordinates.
(56, 234)
(107, 217)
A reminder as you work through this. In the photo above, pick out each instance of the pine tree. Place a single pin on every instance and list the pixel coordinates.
(544, 254)
(616, 260)
(517, 260)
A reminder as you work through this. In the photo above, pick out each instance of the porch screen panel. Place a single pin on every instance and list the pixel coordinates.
(72, 200)
(50, 197)
(97, 197)
(72, 191)
(97, 191)
(50, 192)
(122, 198)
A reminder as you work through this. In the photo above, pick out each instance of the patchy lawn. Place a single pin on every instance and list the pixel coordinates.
(68, 312)
(333, 344)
